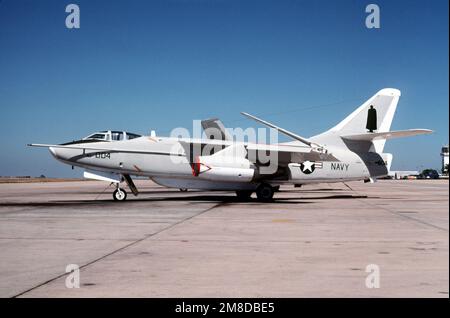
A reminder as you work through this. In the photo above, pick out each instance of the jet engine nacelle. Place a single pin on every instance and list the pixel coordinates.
(227, 174)
(223, 168)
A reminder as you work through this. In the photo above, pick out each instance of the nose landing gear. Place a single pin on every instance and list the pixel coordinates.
(119, 194)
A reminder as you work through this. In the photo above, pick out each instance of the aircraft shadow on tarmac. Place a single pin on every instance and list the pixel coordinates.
(143, 192)
(201, 198)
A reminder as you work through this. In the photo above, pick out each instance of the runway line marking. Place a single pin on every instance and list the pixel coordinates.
(119, 249)
(400, 214)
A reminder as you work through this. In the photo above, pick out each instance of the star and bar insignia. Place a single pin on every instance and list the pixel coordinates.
(308, 167)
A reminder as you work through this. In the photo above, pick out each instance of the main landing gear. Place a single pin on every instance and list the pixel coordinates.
(244, 194)
(264, 192)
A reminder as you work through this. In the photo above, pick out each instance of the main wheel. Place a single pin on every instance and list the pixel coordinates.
(264, 192)
(119, 194)
(244, 194)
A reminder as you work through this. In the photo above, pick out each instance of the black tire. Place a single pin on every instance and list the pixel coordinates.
(119, 195)
(244, 194)
(265, 192)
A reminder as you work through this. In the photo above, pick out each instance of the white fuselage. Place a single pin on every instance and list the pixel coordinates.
(164, 160)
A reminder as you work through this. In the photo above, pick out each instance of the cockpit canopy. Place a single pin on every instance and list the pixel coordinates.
(111, 135)
(106, 135)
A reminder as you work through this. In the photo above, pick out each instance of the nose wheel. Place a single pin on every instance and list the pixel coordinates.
(119, 194)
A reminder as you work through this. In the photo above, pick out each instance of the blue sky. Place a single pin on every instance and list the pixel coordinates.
(141, 65)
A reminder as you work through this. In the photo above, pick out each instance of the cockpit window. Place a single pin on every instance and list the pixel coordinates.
(111, 135)
(116, 135)
(96, 136)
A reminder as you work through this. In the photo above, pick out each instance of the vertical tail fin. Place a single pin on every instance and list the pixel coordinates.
(375, 115)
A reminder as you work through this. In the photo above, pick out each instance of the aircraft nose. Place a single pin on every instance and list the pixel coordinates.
(53, 152)
(62, 154)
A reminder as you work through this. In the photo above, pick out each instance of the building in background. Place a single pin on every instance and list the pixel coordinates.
(403, 174)
(444, 155)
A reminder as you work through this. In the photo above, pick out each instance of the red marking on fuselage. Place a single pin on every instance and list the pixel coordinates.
(196, 167)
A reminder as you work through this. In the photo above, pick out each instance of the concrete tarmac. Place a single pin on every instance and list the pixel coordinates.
(316, 241)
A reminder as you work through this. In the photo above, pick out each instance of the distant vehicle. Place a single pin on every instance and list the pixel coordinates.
(351, 150)
(428, 174)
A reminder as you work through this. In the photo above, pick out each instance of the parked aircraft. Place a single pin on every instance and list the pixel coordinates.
(351, 150)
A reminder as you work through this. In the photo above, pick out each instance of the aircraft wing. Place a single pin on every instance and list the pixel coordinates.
(279, 147)
(283, 131)
(290, 153)
(259, 147)
(387, 135)
(285, 153)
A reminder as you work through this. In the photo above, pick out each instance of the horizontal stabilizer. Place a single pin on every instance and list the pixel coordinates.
(387, 135)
